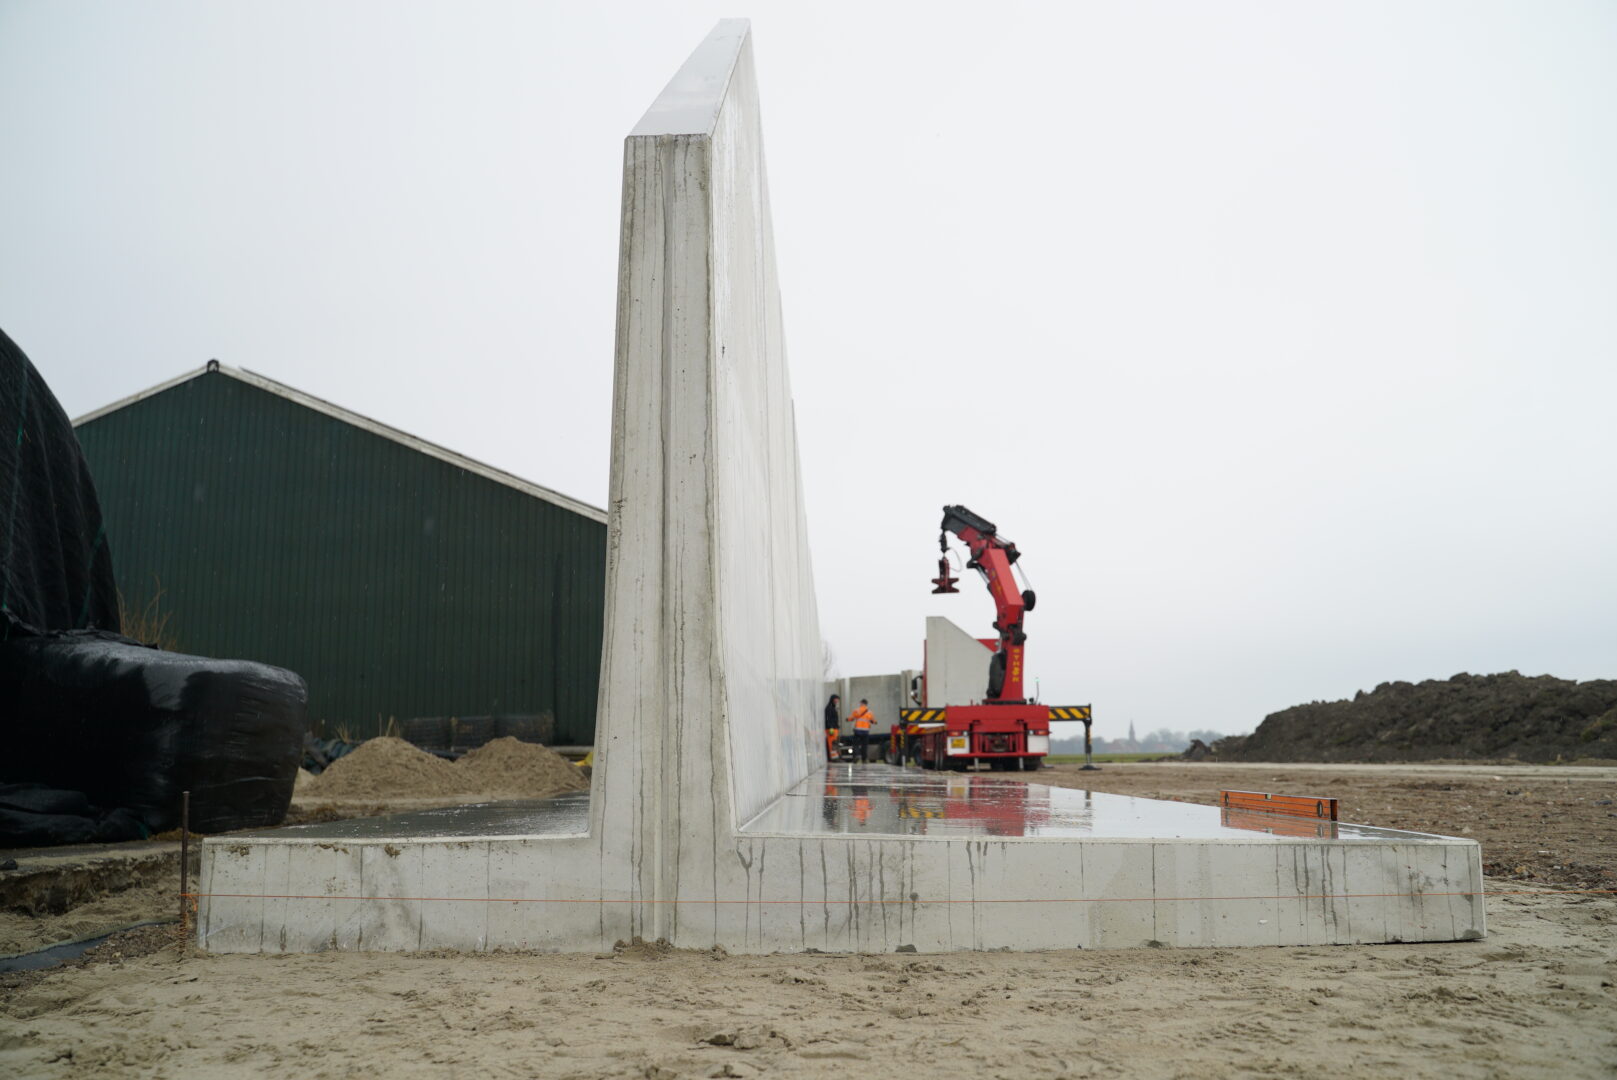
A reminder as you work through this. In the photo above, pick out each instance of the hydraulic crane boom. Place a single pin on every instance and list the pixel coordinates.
(992, 557)
(1004, 730)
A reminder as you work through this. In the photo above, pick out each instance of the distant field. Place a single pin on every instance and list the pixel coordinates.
(1075, 759)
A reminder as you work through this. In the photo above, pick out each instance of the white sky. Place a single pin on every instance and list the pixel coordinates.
(1282, 337)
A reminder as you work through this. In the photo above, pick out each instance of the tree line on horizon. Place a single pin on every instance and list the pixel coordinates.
(1162, 741)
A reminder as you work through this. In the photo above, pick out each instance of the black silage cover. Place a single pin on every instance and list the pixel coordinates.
(55, 569)
(100, 735)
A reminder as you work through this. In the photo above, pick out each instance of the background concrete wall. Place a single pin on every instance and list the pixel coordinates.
(956, 665)
(886, 694)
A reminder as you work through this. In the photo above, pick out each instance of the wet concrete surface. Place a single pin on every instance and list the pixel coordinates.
(564, 815)
(882, 800)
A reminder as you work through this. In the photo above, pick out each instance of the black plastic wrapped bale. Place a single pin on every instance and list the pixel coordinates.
(470, 732)
(55, 569)
(131, 727)
(35, 816)
(432, 733)
(531, 729)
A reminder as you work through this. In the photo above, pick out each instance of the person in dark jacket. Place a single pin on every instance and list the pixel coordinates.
(833, 725)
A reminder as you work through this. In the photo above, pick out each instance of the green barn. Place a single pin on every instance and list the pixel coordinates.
(401, 580)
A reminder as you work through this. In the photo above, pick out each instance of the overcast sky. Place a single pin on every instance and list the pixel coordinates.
(1281, 337)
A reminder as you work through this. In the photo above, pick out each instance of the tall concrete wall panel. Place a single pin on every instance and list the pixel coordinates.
(956, 665)
(769, 627)
(710, 700)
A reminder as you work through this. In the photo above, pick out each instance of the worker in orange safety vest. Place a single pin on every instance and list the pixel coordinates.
(863, 720)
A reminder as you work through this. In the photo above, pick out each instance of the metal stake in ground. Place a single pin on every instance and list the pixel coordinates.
(185, 859)
(1089, 745)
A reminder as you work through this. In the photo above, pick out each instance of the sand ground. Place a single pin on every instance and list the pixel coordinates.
(126, 907)
(1536, 998)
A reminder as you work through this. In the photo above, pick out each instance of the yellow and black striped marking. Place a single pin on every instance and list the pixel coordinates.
(921, 716)
(1070, 712)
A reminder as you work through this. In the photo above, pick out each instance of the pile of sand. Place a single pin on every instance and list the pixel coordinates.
(387, 767)
(383, 767)
(511, 766)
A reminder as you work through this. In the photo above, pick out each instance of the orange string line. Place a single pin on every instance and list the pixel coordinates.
(835, 903)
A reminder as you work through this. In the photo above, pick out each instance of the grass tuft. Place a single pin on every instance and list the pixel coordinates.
(150, 625)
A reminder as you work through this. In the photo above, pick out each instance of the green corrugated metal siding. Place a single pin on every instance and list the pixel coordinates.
(397, 584)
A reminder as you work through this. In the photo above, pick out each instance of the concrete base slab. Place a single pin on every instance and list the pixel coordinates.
(857, 858)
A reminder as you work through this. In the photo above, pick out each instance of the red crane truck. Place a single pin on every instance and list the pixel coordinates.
(1007, 730)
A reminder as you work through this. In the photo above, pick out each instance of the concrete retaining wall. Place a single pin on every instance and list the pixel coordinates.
(710, 704)
(956, 665)
(886, 695)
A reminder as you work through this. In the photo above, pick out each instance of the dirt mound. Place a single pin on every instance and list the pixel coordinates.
(383, 767)
(1468, 717)
(510, 766)
(387, 767)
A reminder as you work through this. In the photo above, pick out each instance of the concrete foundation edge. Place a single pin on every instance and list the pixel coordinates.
(844, 895)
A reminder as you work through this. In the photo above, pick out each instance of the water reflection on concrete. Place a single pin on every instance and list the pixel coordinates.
(882, 800)
(564, 815)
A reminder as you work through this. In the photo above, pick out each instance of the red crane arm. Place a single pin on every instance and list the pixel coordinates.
(993, 557)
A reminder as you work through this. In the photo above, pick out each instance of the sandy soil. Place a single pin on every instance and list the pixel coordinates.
(1536, 998)
(113, 911)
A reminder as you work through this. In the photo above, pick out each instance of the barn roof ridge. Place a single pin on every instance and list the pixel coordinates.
(364, 423)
